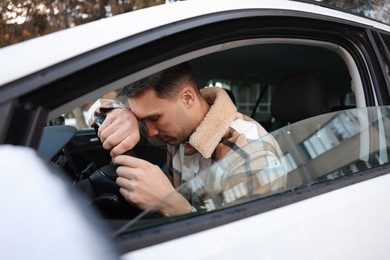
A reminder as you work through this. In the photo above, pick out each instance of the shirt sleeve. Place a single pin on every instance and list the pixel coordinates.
(100, 108)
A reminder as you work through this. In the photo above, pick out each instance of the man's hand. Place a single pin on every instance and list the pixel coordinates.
(145, 185)
(119, 131)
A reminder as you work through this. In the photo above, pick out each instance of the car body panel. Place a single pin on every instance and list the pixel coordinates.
(341, 218)
(340, 227)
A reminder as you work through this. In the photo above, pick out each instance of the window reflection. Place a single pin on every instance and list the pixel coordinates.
(342, 127)
(350, 141)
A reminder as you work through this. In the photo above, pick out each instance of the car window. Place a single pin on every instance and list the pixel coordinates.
(252, 74)
(353, 140)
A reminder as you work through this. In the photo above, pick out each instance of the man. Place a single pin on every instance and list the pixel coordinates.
(205, 136)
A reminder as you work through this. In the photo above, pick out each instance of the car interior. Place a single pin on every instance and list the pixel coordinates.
(275, 81)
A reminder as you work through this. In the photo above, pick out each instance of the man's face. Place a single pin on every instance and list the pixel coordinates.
(164, 118)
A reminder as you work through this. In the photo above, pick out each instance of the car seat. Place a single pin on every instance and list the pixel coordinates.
(296, 97)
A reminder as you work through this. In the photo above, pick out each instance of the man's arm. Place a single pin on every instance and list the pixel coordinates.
(120, 130)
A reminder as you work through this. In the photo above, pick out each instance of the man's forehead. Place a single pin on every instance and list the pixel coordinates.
(142, 97)
(145, 104)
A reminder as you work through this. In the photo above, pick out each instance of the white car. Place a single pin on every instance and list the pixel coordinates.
(316, 78)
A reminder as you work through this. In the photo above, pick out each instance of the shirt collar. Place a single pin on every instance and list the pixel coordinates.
(216, 122)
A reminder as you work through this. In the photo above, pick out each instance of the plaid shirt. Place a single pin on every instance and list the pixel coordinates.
(245, 162)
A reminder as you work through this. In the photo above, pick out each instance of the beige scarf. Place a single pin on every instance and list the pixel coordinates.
(216, 122)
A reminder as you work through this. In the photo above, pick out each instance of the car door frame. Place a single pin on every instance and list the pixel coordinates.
(32, 98)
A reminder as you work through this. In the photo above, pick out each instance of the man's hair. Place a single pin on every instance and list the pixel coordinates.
(166, 83)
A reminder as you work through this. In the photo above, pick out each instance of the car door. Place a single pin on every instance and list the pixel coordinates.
(29, 102)
(354, 39)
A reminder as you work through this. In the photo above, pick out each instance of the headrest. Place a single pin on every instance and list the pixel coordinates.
(297, 97)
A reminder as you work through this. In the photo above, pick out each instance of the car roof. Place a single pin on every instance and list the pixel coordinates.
(34, 55)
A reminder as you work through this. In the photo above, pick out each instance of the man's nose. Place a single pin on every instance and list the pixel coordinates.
(151, 130)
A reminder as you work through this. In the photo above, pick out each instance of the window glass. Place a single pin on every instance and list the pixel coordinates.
(304, 153)
(335, 144)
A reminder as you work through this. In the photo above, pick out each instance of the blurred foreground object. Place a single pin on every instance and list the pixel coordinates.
(42, 217)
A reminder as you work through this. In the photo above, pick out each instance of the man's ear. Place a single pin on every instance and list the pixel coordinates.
(188, 96)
